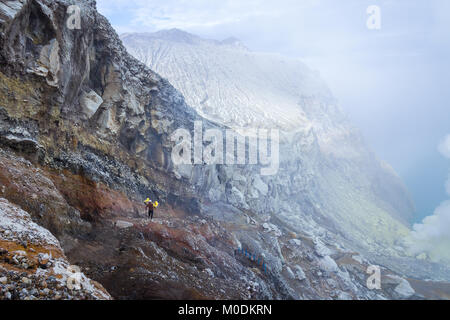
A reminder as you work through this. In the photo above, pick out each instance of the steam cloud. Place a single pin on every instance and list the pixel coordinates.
(432, 236)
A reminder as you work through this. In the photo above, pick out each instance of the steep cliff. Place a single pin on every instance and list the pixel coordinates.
(85, 137)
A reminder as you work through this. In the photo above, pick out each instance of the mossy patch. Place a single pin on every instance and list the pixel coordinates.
(19, 97)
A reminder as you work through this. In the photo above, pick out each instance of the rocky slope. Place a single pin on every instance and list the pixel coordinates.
(85, 137)
(225, 82)
(33, 265)
(327, 172)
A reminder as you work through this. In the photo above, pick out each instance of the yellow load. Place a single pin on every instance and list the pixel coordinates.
(156, 204)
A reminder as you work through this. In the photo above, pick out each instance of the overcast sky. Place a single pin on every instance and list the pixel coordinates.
(393, 82)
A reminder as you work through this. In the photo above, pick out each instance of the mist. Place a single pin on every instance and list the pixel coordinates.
(432, 237)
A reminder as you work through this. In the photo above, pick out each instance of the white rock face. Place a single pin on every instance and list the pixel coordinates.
(295, 242)
(184, 171)
(123, 224)
(299, 273)
(209, 272)
(328, 264)
(321, 249)
(269, 227)
(49, 57)
(404, 289)
(259, 185)
(325, 167)
(16, 226)
(237, 198)
(214, 195)
(90, 102)
(265, 89)
(291, 274)
(9, 9)
(344, 296)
